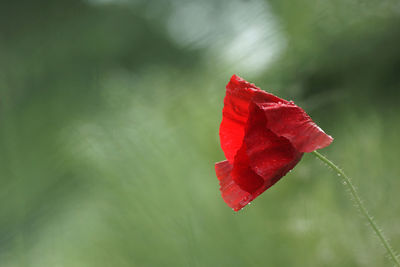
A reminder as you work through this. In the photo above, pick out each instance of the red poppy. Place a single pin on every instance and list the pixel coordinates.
(263, 137)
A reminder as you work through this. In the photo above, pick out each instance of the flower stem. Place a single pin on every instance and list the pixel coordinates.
(359, 203)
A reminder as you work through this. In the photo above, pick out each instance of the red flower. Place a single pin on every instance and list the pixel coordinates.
(263, 137)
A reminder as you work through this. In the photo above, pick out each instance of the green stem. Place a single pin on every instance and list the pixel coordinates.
(359, 203)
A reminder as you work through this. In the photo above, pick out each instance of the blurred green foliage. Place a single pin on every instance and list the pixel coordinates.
(109, 115)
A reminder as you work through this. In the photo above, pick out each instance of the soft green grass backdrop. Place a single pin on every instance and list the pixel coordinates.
(109, 116)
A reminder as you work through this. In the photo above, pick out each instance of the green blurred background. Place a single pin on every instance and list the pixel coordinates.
(109, 116)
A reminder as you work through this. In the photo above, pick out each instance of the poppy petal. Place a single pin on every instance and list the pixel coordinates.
(263, 159)
(242, 173)
(292, 122)
(270, 156)
(239, 95)
(232, 194)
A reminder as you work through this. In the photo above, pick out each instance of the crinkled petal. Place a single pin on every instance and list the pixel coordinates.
(239, 95)
(242, 173)
(263, 159)
(270, 156)
(232, 194)
(290, 121)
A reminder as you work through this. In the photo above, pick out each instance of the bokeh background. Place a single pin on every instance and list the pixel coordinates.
(109, 116)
